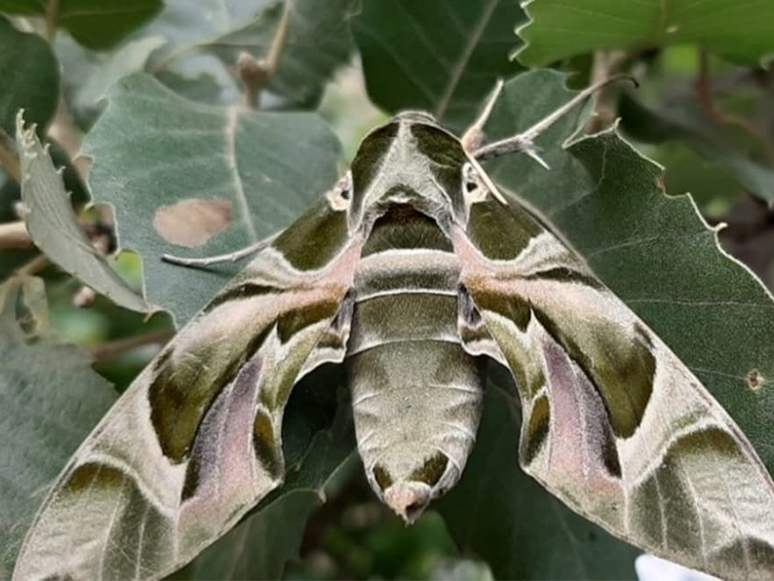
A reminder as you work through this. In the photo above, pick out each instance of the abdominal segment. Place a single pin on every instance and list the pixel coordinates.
(416, 392)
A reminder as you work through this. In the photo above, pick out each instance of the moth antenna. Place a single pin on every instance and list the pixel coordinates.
(221, 258)
(487, 181)
(474, 135)
(524, 141)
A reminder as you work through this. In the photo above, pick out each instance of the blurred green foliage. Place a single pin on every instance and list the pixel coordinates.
(704, 111)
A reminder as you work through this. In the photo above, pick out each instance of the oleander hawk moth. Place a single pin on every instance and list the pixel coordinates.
(413, 272)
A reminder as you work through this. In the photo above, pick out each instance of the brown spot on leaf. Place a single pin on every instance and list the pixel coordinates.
(754, 380)
(192, 222)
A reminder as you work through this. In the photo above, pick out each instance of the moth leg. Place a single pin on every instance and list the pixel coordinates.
(332, 344)
(473, 137)
(473, 331)
(524, 142)
(221, 258)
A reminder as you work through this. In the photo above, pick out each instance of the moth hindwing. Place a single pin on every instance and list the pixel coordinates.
(413, 272)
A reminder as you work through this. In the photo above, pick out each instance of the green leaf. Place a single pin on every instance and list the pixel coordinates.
(29, 78)
(88, 74)
(507, 518)
(712, 186)
(130, 58)
(96, 24)
(163, 161)
(202, 87)
(318, 41)
(10, 192)
(737, 29)
(273, 536)
(54, 227)
(440, 56)
(688, 124)
(187, 24)
(655, 252)
(50, 400)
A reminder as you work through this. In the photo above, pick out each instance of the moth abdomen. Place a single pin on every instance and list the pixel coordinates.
(416, 391)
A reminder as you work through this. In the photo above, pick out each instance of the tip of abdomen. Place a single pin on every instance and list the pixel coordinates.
(408, 499)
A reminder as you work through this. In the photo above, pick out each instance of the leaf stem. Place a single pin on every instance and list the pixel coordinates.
(34, 266)
(40, 262)
(9, 159)
(280, 39)
(14, 235)
(52, 14)
(606, 64)
(256, 74)
(707, 102)
(64, 131)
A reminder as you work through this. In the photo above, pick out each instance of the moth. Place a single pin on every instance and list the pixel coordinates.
(414, 272)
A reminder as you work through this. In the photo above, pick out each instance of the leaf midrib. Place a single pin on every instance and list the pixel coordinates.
(459, 68)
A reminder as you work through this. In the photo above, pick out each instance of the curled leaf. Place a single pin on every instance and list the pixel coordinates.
(53, 226)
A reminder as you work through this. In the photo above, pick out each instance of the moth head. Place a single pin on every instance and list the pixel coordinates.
(477, 186)
(340, 196)
(412, 160)
(407, 478)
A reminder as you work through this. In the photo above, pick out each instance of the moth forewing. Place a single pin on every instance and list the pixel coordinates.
(195, 442)
(614, 424)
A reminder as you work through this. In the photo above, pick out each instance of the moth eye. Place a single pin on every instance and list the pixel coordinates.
(341, 194)
(345, 186)
(472, 183)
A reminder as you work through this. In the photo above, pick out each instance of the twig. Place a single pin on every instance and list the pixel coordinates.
(606, 64)
(112, 349)
(52, 13)
(14, 235)
(9, 159)
(254, 78)
(10, 285)
(473, 138)
(707, 102)
(64, 131)
(704, 87)
(256, 74)
(85, 297)
(280, 38)
(34, 266)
